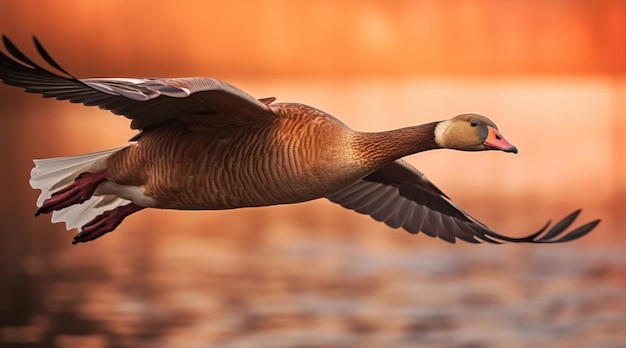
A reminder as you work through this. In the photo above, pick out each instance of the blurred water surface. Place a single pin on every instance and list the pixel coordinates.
(309, 290)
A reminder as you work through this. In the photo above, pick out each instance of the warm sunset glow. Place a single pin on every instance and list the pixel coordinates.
(551, 74)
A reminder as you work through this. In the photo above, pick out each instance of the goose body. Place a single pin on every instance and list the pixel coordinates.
(182, 166)
(204, 144)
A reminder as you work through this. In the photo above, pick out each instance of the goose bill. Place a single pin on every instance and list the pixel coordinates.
(495, 141)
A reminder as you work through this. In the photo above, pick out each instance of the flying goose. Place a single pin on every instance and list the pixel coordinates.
(204, 144)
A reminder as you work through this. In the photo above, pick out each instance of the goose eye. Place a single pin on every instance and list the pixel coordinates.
(473, 123)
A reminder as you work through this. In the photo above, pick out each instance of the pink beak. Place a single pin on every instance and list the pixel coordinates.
(495, 141)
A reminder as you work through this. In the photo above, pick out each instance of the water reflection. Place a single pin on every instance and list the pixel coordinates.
(318, 291)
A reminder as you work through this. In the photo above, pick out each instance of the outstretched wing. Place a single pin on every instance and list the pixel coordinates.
(401, 196)
(146, 101)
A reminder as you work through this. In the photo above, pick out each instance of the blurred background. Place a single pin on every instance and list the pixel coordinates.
(551, 74)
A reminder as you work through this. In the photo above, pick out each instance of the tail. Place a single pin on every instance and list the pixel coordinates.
(53, 174)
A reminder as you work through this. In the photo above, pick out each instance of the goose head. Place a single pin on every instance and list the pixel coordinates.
(471, 132)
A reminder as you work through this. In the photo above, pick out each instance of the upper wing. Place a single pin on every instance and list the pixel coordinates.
(147, 101)
(401, 196)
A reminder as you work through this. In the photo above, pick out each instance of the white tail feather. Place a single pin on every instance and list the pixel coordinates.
(52, 174)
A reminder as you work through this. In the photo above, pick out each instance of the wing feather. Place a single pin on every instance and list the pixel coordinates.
(401, 196)
(146, 101)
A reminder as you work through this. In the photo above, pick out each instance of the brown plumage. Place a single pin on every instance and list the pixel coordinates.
(205, 144)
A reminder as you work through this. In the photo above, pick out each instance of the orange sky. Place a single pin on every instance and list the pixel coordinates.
(283, 38)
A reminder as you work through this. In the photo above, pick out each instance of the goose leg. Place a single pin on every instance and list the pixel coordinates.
(105, 223)
(77, 192)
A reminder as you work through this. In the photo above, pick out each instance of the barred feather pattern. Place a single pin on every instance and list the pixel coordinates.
(186, 166)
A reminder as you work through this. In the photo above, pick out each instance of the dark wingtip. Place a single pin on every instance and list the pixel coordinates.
(561, 226)
(46, 56)
(20, 57)
(556, 234)
(6, 41)
(580, 231)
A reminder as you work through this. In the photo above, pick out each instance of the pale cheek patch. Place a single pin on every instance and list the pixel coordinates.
(440, 132)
